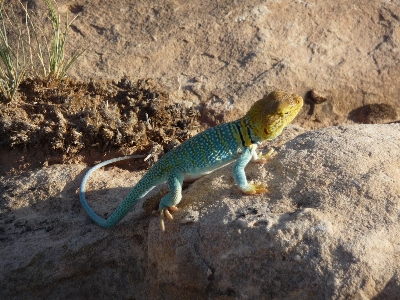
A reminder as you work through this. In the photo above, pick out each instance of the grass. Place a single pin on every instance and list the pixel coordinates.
(13, 61)
(33, 45)
(58, 65)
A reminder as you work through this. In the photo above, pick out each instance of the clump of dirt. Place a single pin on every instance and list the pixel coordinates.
(74, 121)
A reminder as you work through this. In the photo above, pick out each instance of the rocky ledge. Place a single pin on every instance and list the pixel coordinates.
(329, 228)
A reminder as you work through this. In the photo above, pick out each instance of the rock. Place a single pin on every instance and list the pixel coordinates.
(243, 49)
(374, 114)
(328, 229)
(246, 48)
(316, 97)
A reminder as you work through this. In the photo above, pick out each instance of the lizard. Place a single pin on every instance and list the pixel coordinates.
(206, 152)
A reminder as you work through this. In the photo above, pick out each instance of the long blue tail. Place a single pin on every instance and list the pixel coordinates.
(121, 211)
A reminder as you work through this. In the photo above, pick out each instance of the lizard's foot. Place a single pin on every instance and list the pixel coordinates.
(261, 159)
(166, 212)
(257, 188)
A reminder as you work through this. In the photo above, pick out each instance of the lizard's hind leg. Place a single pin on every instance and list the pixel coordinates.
(169, 201)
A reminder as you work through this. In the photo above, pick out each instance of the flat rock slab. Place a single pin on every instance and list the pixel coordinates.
(329, 228)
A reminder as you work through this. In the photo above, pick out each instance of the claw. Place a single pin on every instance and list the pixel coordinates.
(162, 220)
(166, 212)
(257, 188)
(260, 188)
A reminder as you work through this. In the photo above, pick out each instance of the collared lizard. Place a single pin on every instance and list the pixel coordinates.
(206, 152)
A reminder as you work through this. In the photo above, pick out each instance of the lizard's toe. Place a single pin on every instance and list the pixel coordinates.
(173, 208)
(166, 212)
(257, 188)
(260, 188)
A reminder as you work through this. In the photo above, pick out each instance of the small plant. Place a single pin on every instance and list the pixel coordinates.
(13, 62)
(58, 65)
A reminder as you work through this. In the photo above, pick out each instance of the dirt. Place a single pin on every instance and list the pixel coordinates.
(73, 121)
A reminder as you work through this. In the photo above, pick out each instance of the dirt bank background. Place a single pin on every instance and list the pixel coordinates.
(227, 54)
(207, 63)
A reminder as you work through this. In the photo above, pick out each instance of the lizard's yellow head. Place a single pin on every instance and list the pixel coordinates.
(269, 115)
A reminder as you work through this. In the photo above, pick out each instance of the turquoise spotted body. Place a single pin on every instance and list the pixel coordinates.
(207, 152)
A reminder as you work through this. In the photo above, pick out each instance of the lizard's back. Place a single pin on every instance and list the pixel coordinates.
(203, 153)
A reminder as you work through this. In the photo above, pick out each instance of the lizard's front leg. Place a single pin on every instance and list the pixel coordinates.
(258, 157)
(169, 201)
(240, 176)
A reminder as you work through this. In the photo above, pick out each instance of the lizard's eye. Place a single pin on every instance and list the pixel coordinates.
(266, 131)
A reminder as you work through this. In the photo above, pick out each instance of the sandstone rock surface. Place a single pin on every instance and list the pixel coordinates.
(328, 229)
(226, 54)
(218, 57)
